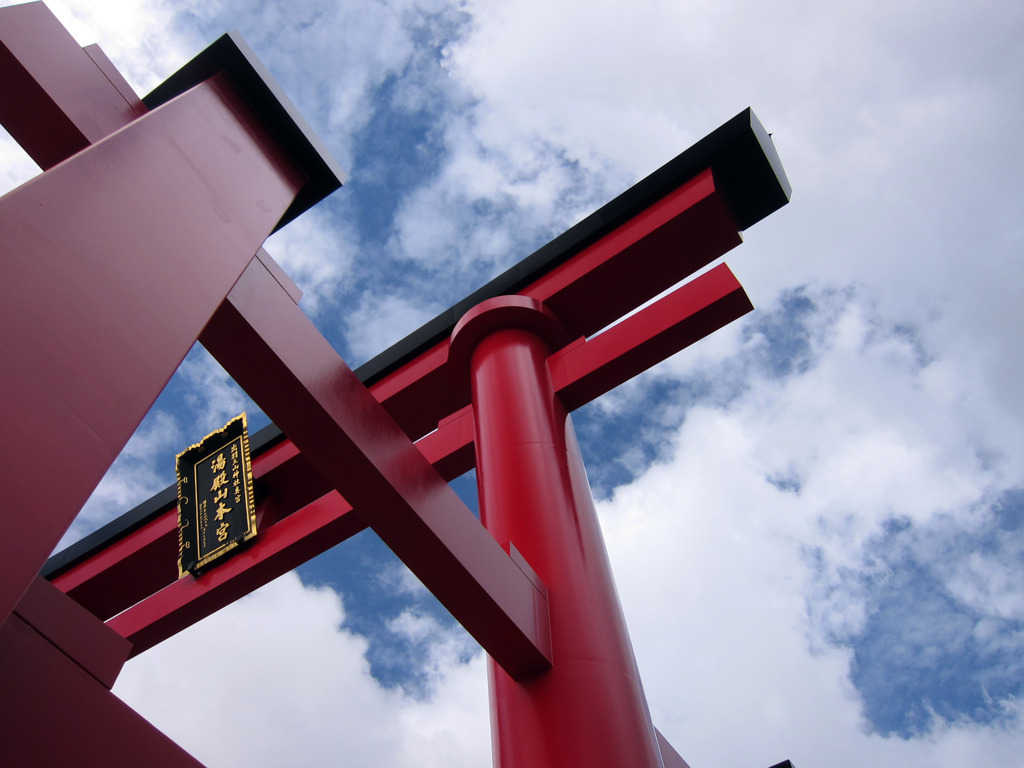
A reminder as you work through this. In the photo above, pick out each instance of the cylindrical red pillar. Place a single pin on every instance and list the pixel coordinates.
(589, 709)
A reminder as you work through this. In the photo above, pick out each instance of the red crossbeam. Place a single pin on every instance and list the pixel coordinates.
(55, 97)
(142, 563)
(686, 230)
(122, 577)
(275, 353)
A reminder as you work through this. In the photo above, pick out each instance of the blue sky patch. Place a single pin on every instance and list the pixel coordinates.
(928, 651)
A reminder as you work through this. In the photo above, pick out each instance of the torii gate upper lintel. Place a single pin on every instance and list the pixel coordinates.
(540, 317)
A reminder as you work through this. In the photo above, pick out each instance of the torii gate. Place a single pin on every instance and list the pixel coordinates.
(175, 194)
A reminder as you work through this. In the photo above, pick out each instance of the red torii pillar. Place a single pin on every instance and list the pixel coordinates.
(589, 709)
(131, 199)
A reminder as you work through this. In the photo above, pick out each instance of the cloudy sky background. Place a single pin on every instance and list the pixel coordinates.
(815, 517)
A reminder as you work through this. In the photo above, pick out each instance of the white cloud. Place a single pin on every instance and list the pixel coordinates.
(380, 321)
(212, 396)
(139, 36)
(317, 254)
(272, 680)
(894, 120)
(712, 559)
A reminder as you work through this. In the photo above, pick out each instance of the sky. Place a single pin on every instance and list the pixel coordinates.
(815, 517)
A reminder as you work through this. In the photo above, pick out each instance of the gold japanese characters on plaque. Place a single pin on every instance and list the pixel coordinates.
(216, 511)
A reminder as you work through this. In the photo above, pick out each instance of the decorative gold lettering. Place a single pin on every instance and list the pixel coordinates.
(219, 480)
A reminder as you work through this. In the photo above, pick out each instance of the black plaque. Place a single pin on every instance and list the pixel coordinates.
(216, 512)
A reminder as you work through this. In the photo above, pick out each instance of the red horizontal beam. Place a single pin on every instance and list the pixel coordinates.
(144, 561)
(278, 549)
(582, 371)
(135, 566)
(281, 546)
(666, 243)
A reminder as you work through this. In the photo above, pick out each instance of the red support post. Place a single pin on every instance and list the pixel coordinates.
(54, 712)
(57, 98)
(589, 708)
(84, 352)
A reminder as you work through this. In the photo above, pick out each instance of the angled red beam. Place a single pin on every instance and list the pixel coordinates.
(144, 561)
(425, 376)
(123, 574)
(83, 354)
(682, 232)
(55, 97)
(279, 358)
(283, 546)
(68, 626)
(116, 79)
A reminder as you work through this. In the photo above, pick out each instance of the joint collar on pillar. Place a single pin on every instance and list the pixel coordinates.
(496, 314)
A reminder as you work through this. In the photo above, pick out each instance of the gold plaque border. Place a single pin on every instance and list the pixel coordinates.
(250, 503)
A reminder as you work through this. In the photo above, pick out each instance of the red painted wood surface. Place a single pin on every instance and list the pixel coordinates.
(85, 244)
(589, 708)
(276, 354)
(648, 254)
(54, 713)
(145, 207)
(55, 97)
(93, 645)
(142, 563)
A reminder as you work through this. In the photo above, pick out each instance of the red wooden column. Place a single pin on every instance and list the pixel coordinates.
(171, 201)
(589, 708)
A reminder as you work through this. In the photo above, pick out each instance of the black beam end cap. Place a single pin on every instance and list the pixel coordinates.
(230, 53)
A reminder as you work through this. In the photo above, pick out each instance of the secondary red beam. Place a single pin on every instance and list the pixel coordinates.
(581, 372)
(303, 535)
(683, 232)
(667, 242)
(279, 548)
(144, 561)
(141, 563)
(279, 358)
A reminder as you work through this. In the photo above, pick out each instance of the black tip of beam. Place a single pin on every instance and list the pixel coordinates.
(231, 54)
(747, 172)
